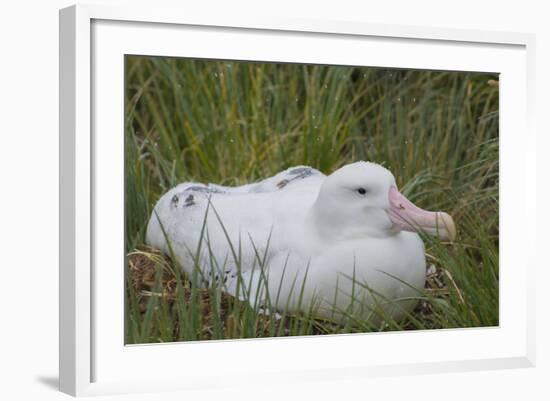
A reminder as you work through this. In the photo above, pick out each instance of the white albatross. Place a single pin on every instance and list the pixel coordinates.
(343, 244)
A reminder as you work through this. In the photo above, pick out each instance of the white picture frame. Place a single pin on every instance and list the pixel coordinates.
(94, 359)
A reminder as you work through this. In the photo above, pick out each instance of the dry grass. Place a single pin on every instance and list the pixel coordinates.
(152, 275)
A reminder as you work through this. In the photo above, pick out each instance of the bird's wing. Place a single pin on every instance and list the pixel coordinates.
(292, 176)
(227, 229)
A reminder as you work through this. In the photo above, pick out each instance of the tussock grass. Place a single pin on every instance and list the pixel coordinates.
(236, 122)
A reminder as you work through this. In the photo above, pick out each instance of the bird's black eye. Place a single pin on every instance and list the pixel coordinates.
(361, 191)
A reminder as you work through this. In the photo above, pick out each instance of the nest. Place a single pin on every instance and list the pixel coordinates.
(152, 275)
(144, 266)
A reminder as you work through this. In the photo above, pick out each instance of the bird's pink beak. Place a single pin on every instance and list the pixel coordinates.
(407, 216)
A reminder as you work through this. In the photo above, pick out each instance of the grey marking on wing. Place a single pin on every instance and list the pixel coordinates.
(296, 174)
(205, 189)
(175, 200)
(189, 201)
(301, 172)
(281, 184)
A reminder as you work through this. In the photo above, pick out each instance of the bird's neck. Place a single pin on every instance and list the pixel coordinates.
(326, 227)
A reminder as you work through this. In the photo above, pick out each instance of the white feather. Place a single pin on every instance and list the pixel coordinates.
(317, 234)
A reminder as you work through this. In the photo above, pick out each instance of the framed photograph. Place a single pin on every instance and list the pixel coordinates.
(339, 199)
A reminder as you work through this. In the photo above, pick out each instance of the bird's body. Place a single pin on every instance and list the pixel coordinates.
(298, 240)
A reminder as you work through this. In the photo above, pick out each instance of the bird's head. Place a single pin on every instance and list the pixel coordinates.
(361, 199)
